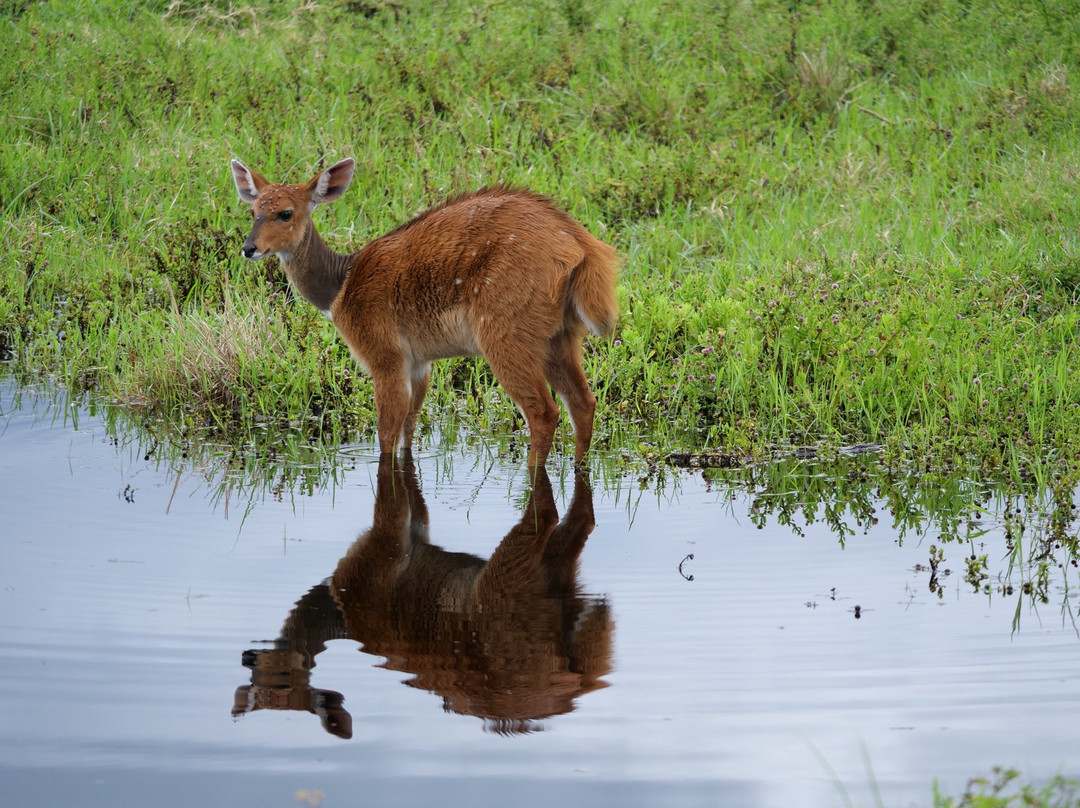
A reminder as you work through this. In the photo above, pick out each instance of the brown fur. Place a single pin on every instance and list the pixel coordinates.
(511, 639)
(501, 273)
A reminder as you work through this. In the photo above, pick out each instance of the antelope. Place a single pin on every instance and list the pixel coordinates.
(500, 273)
(510, 639)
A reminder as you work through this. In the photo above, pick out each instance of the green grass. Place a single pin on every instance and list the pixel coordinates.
(1001, 790)
(841, 222)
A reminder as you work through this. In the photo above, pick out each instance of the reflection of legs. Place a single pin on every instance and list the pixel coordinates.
(420, 381)
(564, 374)
(568, 540)
(514, 574)
(419, 532)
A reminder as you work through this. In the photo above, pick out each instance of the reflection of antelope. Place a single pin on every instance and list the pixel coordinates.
(509, 640)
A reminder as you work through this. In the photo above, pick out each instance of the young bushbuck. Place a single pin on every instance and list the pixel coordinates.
(501, 273)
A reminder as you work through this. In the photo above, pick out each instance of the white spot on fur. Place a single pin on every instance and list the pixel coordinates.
(457, 281)
(589, 324)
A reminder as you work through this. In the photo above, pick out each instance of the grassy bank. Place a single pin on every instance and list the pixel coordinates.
(841, 222)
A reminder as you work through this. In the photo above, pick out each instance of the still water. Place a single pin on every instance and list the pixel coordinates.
(446, 633)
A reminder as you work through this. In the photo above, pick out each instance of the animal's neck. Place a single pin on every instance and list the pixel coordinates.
(316, 271)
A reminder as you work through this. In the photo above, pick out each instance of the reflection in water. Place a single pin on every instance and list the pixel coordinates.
(511, 640)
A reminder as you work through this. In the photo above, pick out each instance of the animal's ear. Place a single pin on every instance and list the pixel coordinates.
(248, 183)
(332, 183)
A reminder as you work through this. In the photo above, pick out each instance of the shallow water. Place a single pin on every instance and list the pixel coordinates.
(774, 666)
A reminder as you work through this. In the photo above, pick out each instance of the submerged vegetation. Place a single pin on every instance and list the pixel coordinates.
(841, 222)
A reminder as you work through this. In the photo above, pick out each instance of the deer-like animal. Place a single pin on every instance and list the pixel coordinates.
(511, 639)
(501, 273)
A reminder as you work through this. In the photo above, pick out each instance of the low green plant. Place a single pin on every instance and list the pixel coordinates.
(1002, 790)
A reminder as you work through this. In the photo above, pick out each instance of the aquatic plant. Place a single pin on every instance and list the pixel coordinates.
(1002, 790)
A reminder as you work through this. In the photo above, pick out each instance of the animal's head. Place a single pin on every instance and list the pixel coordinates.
(282, 212)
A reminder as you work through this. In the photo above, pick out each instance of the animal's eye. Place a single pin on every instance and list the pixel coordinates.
(285, 215)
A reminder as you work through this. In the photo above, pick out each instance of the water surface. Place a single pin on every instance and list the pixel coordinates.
(161, 640)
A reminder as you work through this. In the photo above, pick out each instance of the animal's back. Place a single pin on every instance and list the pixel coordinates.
(502, 249)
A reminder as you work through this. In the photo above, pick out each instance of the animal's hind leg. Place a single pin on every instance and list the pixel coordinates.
(523, 378)
(565, 375)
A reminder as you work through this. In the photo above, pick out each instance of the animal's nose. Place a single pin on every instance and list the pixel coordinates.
(248, 249)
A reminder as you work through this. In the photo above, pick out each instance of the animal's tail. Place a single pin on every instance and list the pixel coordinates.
(592, 286)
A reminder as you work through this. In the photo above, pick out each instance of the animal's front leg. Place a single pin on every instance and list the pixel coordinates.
(393, 398)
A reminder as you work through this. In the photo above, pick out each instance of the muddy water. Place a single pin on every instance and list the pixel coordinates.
(434, 635)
